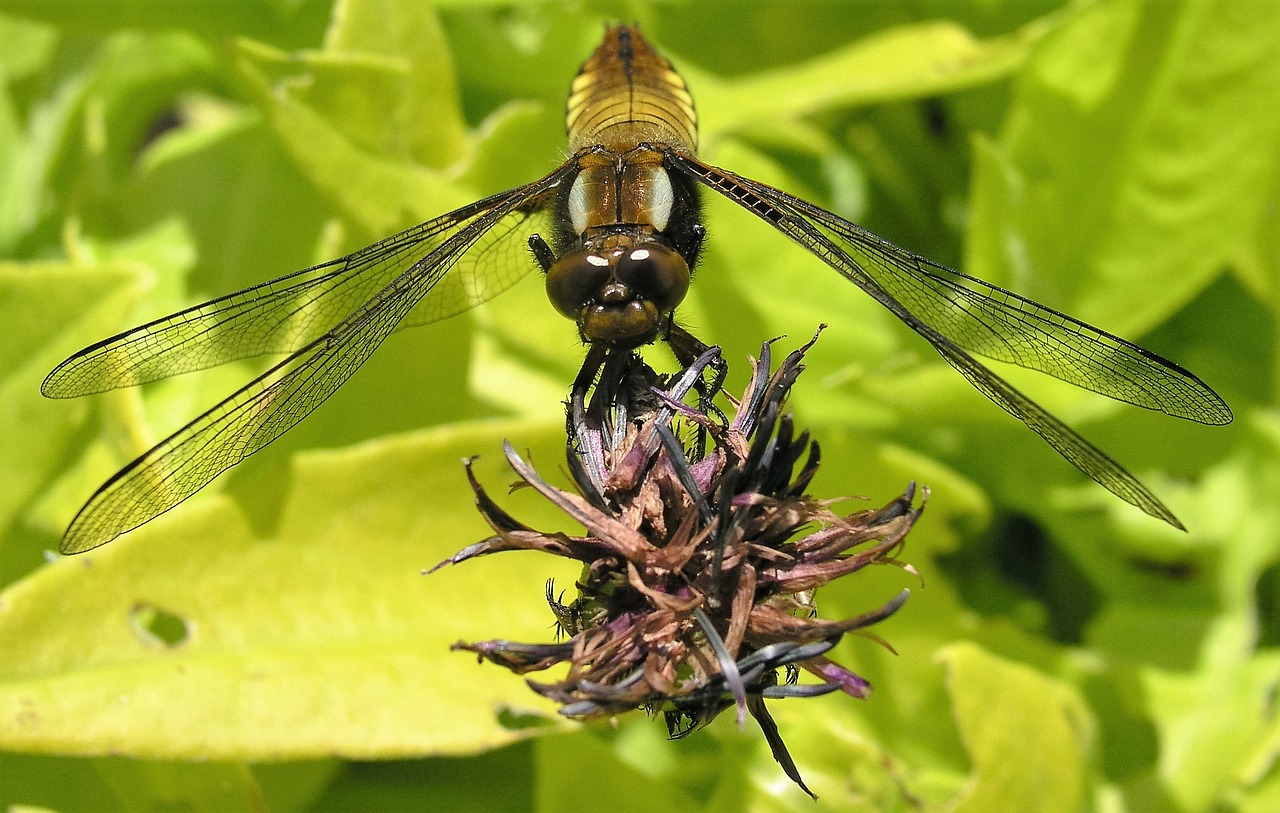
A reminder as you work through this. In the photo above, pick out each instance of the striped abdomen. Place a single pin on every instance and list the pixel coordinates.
(626, 94)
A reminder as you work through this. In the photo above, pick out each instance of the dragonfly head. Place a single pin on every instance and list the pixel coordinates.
(618, 289)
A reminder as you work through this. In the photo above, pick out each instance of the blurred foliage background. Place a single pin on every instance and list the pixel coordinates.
(271, 645)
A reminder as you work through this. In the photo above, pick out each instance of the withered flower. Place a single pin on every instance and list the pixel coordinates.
(699, 565)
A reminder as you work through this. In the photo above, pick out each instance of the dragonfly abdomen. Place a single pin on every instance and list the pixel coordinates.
(626, 94)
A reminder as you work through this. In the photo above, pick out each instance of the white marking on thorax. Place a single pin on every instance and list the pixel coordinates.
(602, 196)
(661, 199)
(579, 206)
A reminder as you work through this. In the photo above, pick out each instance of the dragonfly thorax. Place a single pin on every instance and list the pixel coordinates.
(632, 187)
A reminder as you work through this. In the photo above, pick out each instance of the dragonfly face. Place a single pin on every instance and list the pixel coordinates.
(624, 227)
(635, 235)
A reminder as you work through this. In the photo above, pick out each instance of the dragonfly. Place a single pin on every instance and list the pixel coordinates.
(616, 230)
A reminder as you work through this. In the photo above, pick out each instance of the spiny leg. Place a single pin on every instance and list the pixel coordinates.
(542, 253)
(687, 349)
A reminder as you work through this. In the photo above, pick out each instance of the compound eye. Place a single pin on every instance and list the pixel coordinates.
(656, 273)
(575, 279)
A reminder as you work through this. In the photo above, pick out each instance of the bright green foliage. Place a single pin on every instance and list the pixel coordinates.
(251, 650)
(1031, 716)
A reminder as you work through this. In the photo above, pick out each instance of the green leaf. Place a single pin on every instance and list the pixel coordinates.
(115, 784)
(317, 637)
(1135, 159)
(130, 99)
(901, 63)
(48, 310)
(1218, 728)
(1206, 582)
(1028, 737)
(30, 147)
(464, 784)
(248, 17)
(422, 118)
(210, 788)
(627, 787)
(25, 47)
(251, 215)
(380, 194)
(518, 142)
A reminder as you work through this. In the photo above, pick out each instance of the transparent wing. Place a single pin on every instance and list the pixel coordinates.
(956, 313)
(289, 313)
(270, 405)
(1002, 325)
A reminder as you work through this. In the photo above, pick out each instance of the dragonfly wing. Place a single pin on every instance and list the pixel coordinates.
(799, 221)
(274, 402)
(288, 313)
(999, 324)
(1082, 454)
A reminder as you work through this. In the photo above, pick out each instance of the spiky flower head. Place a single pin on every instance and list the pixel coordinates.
(700, 558)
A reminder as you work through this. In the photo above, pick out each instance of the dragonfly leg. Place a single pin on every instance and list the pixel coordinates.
(697, 234)
(542, 252)
(687, 349)
(578, 423)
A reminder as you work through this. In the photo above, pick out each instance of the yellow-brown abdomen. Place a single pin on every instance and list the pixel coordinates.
(626, 94)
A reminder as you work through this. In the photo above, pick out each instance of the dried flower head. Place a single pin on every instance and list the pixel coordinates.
(699, 564)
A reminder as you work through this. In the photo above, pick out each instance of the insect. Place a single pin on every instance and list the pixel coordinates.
(616, 231)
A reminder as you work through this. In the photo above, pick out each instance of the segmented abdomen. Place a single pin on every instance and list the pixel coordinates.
(625, 94)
